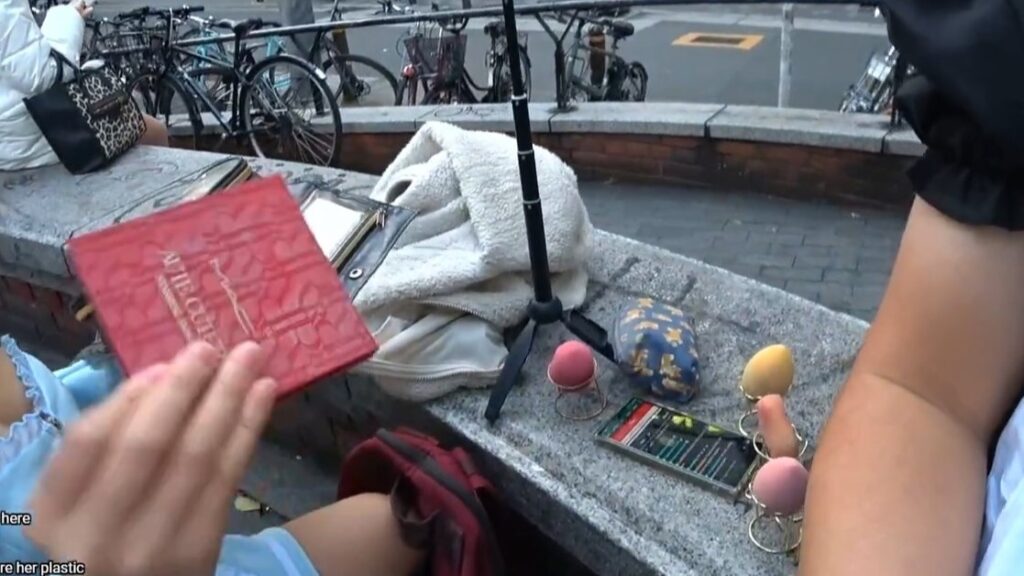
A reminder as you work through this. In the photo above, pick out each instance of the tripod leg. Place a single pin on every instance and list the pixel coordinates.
(510, 371)
(591, 333)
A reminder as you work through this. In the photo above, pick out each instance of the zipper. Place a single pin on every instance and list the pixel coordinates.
(393, 370)
(425, 462)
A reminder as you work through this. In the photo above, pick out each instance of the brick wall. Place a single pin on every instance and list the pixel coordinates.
(799, 172)
(41, 320)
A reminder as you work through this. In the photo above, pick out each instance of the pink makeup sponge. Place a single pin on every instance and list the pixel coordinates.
(572, 366)
(781, 485)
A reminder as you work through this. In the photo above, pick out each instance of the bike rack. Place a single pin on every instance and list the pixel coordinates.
(562, 103)
(536, 10)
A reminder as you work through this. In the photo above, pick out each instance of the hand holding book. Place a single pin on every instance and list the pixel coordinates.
(238, 265)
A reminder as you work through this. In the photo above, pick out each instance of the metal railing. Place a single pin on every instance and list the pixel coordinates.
(537, 11)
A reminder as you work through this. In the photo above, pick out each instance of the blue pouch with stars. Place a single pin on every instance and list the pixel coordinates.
(657, 350)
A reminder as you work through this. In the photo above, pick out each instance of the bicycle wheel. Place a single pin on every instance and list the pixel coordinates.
(358, 81)
(289, 112)
(501, 91)
(634, 84)
(164, 98)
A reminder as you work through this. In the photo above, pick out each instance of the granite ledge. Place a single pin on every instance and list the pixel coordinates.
(817, 128)
(667, 119)
(902, 141)
(623, 501)
(606, 509)
(860, 132)
(41, 209)
(491, 117)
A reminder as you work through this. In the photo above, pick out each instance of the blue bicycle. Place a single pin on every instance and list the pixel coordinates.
(281, 104)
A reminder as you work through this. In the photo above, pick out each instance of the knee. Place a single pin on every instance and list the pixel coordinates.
(14, 402)
(156, 133)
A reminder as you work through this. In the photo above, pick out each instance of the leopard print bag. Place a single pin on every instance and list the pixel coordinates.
(88, 120)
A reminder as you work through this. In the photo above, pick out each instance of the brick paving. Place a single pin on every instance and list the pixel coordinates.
(833, 255)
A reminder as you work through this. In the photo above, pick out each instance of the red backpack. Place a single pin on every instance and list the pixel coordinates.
(442, 502)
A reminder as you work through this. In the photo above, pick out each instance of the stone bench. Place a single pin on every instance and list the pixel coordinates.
(615, 515)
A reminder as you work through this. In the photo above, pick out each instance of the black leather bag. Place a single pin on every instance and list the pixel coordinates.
(366, 250)
(88, 120)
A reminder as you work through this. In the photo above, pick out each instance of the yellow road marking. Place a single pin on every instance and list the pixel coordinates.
(715, 40)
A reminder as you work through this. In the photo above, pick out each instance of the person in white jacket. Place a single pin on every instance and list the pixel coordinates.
(27, 68)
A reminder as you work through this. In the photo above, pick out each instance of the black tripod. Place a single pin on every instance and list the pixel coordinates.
(545, 308)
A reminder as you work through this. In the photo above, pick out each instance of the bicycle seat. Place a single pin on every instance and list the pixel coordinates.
(618, 28)
(240, 28)
(494, 28)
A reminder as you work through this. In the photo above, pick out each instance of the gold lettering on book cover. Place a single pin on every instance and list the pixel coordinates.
(240, 314)
(172, 302)
(188, 309)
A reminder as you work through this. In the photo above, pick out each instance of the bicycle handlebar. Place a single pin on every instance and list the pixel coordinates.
(135, 13)
(146, 11)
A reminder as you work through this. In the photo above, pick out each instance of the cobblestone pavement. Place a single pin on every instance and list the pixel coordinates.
(830, 254)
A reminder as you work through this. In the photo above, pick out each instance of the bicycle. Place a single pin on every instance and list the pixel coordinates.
(877, 85)
(439, 69)
(389, 8)
(598, 74)
(265, 94)
(127, 36)
(354, 80)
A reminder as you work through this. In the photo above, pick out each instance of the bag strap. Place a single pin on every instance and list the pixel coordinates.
(427, 464)
(62, 61)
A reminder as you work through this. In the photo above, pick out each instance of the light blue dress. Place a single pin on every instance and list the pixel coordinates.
(57, 400)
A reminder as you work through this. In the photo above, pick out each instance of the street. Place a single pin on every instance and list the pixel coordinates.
(831, 45)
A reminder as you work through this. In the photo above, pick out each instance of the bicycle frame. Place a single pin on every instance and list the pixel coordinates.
(561, 94)
(229, 125)
(578, 47)
(237, 78)
(563, 77)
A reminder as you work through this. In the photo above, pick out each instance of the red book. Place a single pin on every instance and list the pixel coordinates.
(238, 265)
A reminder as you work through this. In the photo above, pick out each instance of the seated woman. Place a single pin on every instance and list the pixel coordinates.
(27, 68)
(138, 478)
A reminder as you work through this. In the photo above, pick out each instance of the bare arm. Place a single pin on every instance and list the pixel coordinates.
(897, 486)
(13, 402)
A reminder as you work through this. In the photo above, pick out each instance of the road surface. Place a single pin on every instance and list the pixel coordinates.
(831, 47)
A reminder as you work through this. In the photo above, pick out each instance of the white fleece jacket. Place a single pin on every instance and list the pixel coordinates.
(461, 271)
(26, 69)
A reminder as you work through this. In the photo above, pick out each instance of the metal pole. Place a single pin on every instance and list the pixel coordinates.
(785, 55)
(484, 12)
(299, 13)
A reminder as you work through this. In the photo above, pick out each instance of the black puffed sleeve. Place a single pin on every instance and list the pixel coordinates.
(967, 104)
